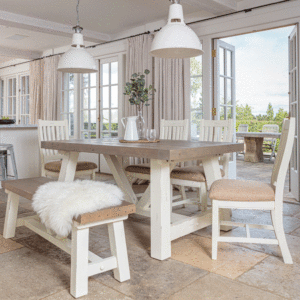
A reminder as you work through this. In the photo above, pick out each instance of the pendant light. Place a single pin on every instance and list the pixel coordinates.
(77, 59)
(176, 39)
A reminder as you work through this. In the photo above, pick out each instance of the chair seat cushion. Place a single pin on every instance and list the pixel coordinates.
(55, 166)
(241, 190)
(193, 173)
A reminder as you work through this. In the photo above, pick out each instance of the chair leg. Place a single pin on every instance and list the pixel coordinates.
(11, 215)
(215, 228)
(119, 250)
(279, 231)
(93, 175)
(203, 197)
(183, 194)
(79, 262)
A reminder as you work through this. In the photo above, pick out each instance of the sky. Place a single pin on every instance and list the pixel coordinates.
(262, 69)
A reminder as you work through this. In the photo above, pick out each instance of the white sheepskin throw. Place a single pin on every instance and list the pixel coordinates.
(57, 203)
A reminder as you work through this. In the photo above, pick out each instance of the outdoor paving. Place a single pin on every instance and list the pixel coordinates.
(33, 268)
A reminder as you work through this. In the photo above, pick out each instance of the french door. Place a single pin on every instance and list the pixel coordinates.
(224, 89)
(294, 110)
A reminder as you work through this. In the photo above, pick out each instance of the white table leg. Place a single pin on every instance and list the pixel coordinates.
(11, 215)
(160, 209)
(212, 172)
(120, 177)
(68, 167)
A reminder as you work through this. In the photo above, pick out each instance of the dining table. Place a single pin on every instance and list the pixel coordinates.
(164, 155)
(254, 144)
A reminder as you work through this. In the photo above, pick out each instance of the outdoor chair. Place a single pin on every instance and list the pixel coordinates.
(242, 128)
(51, 160)
(270, 143)
(256, 195)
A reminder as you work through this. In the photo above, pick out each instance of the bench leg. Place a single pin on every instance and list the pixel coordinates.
(119, 250)
(11, 215)
(79, 262)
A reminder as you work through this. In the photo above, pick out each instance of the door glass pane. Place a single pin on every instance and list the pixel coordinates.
(105, 74)
(114, 73)
(85, 119)
(222, 61)
(195, 124)
(222, 113)
(229, 111)
(85, 80)
(27, 105)
(71, 81)
(71, 101)
(229, 91)
(105, 119)
(114, 119)
(93, 120)
(114, 96)
(196, 66)
(105, 97)
(93, 79)
(85, 99)
(229, 63)
(222, 90)
(93, 98)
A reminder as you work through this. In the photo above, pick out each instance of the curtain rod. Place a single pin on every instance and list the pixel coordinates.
(148, 32)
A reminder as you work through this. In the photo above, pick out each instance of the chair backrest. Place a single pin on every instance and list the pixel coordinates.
(51, 131)
(243, 128)
(216, 131)
(283, 156)
(174, 130)
(270, 128)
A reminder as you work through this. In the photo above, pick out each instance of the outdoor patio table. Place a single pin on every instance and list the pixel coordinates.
(165, 225)
(253, 144)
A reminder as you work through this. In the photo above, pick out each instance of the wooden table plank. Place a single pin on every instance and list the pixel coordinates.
(164, 150)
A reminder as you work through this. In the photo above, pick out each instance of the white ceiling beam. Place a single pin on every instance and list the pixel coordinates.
(34, 24)
(25, 54)
(246, 4)
(215, 7)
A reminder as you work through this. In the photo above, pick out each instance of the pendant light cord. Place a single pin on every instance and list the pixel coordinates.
(147, 32)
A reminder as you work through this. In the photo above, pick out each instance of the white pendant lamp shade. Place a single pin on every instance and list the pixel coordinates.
(77, 59)
(176, 39)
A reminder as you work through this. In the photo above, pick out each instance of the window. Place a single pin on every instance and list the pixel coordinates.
(89, 106)
(24, 100)
(68, 101)
(109, 99)
(196, 95)
(12, 98)
(1, 98)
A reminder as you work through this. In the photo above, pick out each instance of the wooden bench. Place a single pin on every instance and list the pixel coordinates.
(83, 262)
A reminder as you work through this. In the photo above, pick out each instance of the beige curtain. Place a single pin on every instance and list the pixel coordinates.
(172, 84)
(52, 78)
(36, 90)
(138, 59)
(44, 89)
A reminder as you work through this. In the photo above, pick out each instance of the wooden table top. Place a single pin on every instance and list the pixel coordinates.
(259, 134)
(164, 150)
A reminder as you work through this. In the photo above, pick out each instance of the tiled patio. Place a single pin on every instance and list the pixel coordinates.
(32, 268)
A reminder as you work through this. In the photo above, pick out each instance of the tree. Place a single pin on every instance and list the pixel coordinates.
(244, 112)
(281, 114)
(262, 117)
(270, 112)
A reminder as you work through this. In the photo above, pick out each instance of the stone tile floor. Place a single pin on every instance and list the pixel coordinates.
(32, 268)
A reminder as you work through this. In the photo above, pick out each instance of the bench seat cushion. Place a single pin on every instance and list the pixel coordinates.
(241, 190)
(193, 173)
(55, 166)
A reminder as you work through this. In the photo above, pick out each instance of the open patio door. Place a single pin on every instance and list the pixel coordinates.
(224, 89)
(294, 110)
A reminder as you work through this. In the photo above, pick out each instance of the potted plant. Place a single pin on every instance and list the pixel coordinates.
(139, 95)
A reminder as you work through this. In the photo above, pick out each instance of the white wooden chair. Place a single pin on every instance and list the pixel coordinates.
(51, 159)
(270, 143)
(242, 128)
(169, 130)
(194, 176)
(239, 194)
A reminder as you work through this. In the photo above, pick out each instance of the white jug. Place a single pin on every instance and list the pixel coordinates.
(131, 133)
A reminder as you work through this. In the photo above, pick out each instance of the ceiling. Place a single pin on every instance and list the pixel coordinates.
(96, 17)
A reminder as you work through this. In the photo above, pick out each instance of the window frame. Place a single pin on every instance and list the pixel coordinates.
(25, 95)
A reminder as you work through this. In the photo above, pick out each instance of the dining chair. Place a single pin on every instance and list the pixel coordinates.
(50, 159)
(256, 195)
(270, 143)
(242, 128)
(169, 130)
(194, 176)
